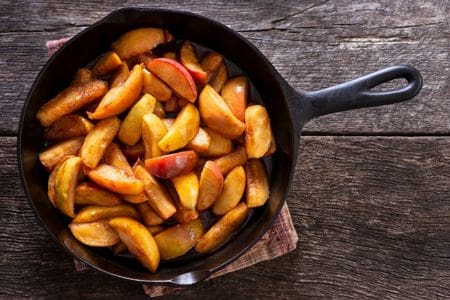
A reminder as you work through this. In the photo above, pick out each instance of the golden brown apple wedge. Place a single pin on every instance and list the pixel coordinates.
(120, 75)
(81, 76)
(59, 152)
(67, 127)
(71, 99)
(149, 216)
(97, 140)
(95, 234)
(210, 64)
(172, 165)
(184, 129)
(137, 198)
(155, 229)
(221, 77)
(217, 115)
(65, 184)
(258, 132)
(179, 239)
(121, 97)
(138, 240)
(114, 157)
(175, 76)
(153, 130)
(115, 180)
(158, 198)
(106, 64)
(183, 214)
(94, 213)
(51, 192)
(87, 193)
(138, 41)
(187, 189)
(230, 161)
(155, 87)
(189, 60)
(257, 183)
(201, 141)
(218, 146)
(220, 232)
(235, 94)
(233, 190)
(131, 128)
(135, 152)
(211, 185)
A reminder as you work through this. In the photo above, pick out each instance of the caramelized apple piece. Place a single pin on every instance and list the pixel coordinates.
(228, 162)
(149, 216)
(217, 115)
(120, 75)
(189, 59)
(51, 192)
(257, 131)
(155, 229)
(137, 198)
(65, 183)
(138, 240)
(155, 87)
(218, 145)
(87, 193)
(220, 78)
(94, 213)
(153, 130)
(211, 185)
(201, 141)
(233, 190)
(187, 188)
(67, 127)
(97, 140)
(95, 234)
(81, 76)
(115, 157)
(134, 152)
(115, 180)
(235, 94)
(71, 99)
(220, 232)
(57, 153)
(131, 129)
(172, 165)
(184, 129)
(257, 183)
(211, 63)
(106, 64)
(138, 41)
(179, 239)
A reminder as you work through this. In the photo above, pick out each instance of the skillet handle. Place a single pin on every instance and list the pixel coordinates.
(357, 93)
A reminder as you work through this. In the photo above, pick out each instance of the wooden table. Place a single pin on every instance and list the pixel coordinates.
(371, 194)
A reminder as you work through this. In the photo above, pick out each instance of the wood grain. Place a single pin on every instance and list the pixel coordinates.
(313, 44)
(372, 214)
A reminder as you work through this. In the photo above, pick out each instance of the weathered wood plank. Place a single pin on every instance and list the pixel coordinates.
(314, 44)
(372, 215)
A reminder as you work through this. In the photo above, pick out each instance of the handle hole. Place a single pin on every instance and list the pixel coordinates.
(391, 85)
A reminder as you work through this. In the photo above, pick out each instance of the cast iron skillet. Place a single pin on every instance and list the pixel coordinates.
(289, 111)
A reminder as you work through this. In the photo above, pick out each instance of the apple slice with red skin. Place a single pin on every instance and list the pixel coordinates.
(189, 59)
(172, 165)
(211, 185)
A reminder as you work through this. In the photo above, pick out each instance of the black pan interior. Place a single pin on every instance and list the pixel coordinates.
(97, 39)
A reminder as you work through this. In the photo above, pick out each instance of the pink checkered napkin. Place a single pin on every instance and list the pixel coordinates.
(279, 240)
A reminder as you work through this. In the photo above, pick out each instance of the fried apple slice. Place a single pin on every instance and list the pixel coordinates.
(218, 145)
(94, 213)
(235, 94)
(210, 64)
(131, 128)
(220, 232)
(51, 192)
(155, 229)
(87, 193)
(217, 115)
(153, 130)
(201, 141)
(179, 239)
(121, 97)
(257, 131)
(183, 214)
(67, 127)
(120, 76)
(149, 216)
(187, 188)
(184, 129)
(115, 157)
(189, 59)
(135, 152)
(230, 161)
(257, 183)
(155, 87)
(220, 78)
(233, 190)
(175, 76)
(210, 185)
(106, 64)
(57, 153)
(81, 76)
(138, 198)
(97, 140)
(159, 199)
(95, 234)
(138, 41)
(138, 240)
(172, 165)
(71, 99)
(115, 180)
(65, 183)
